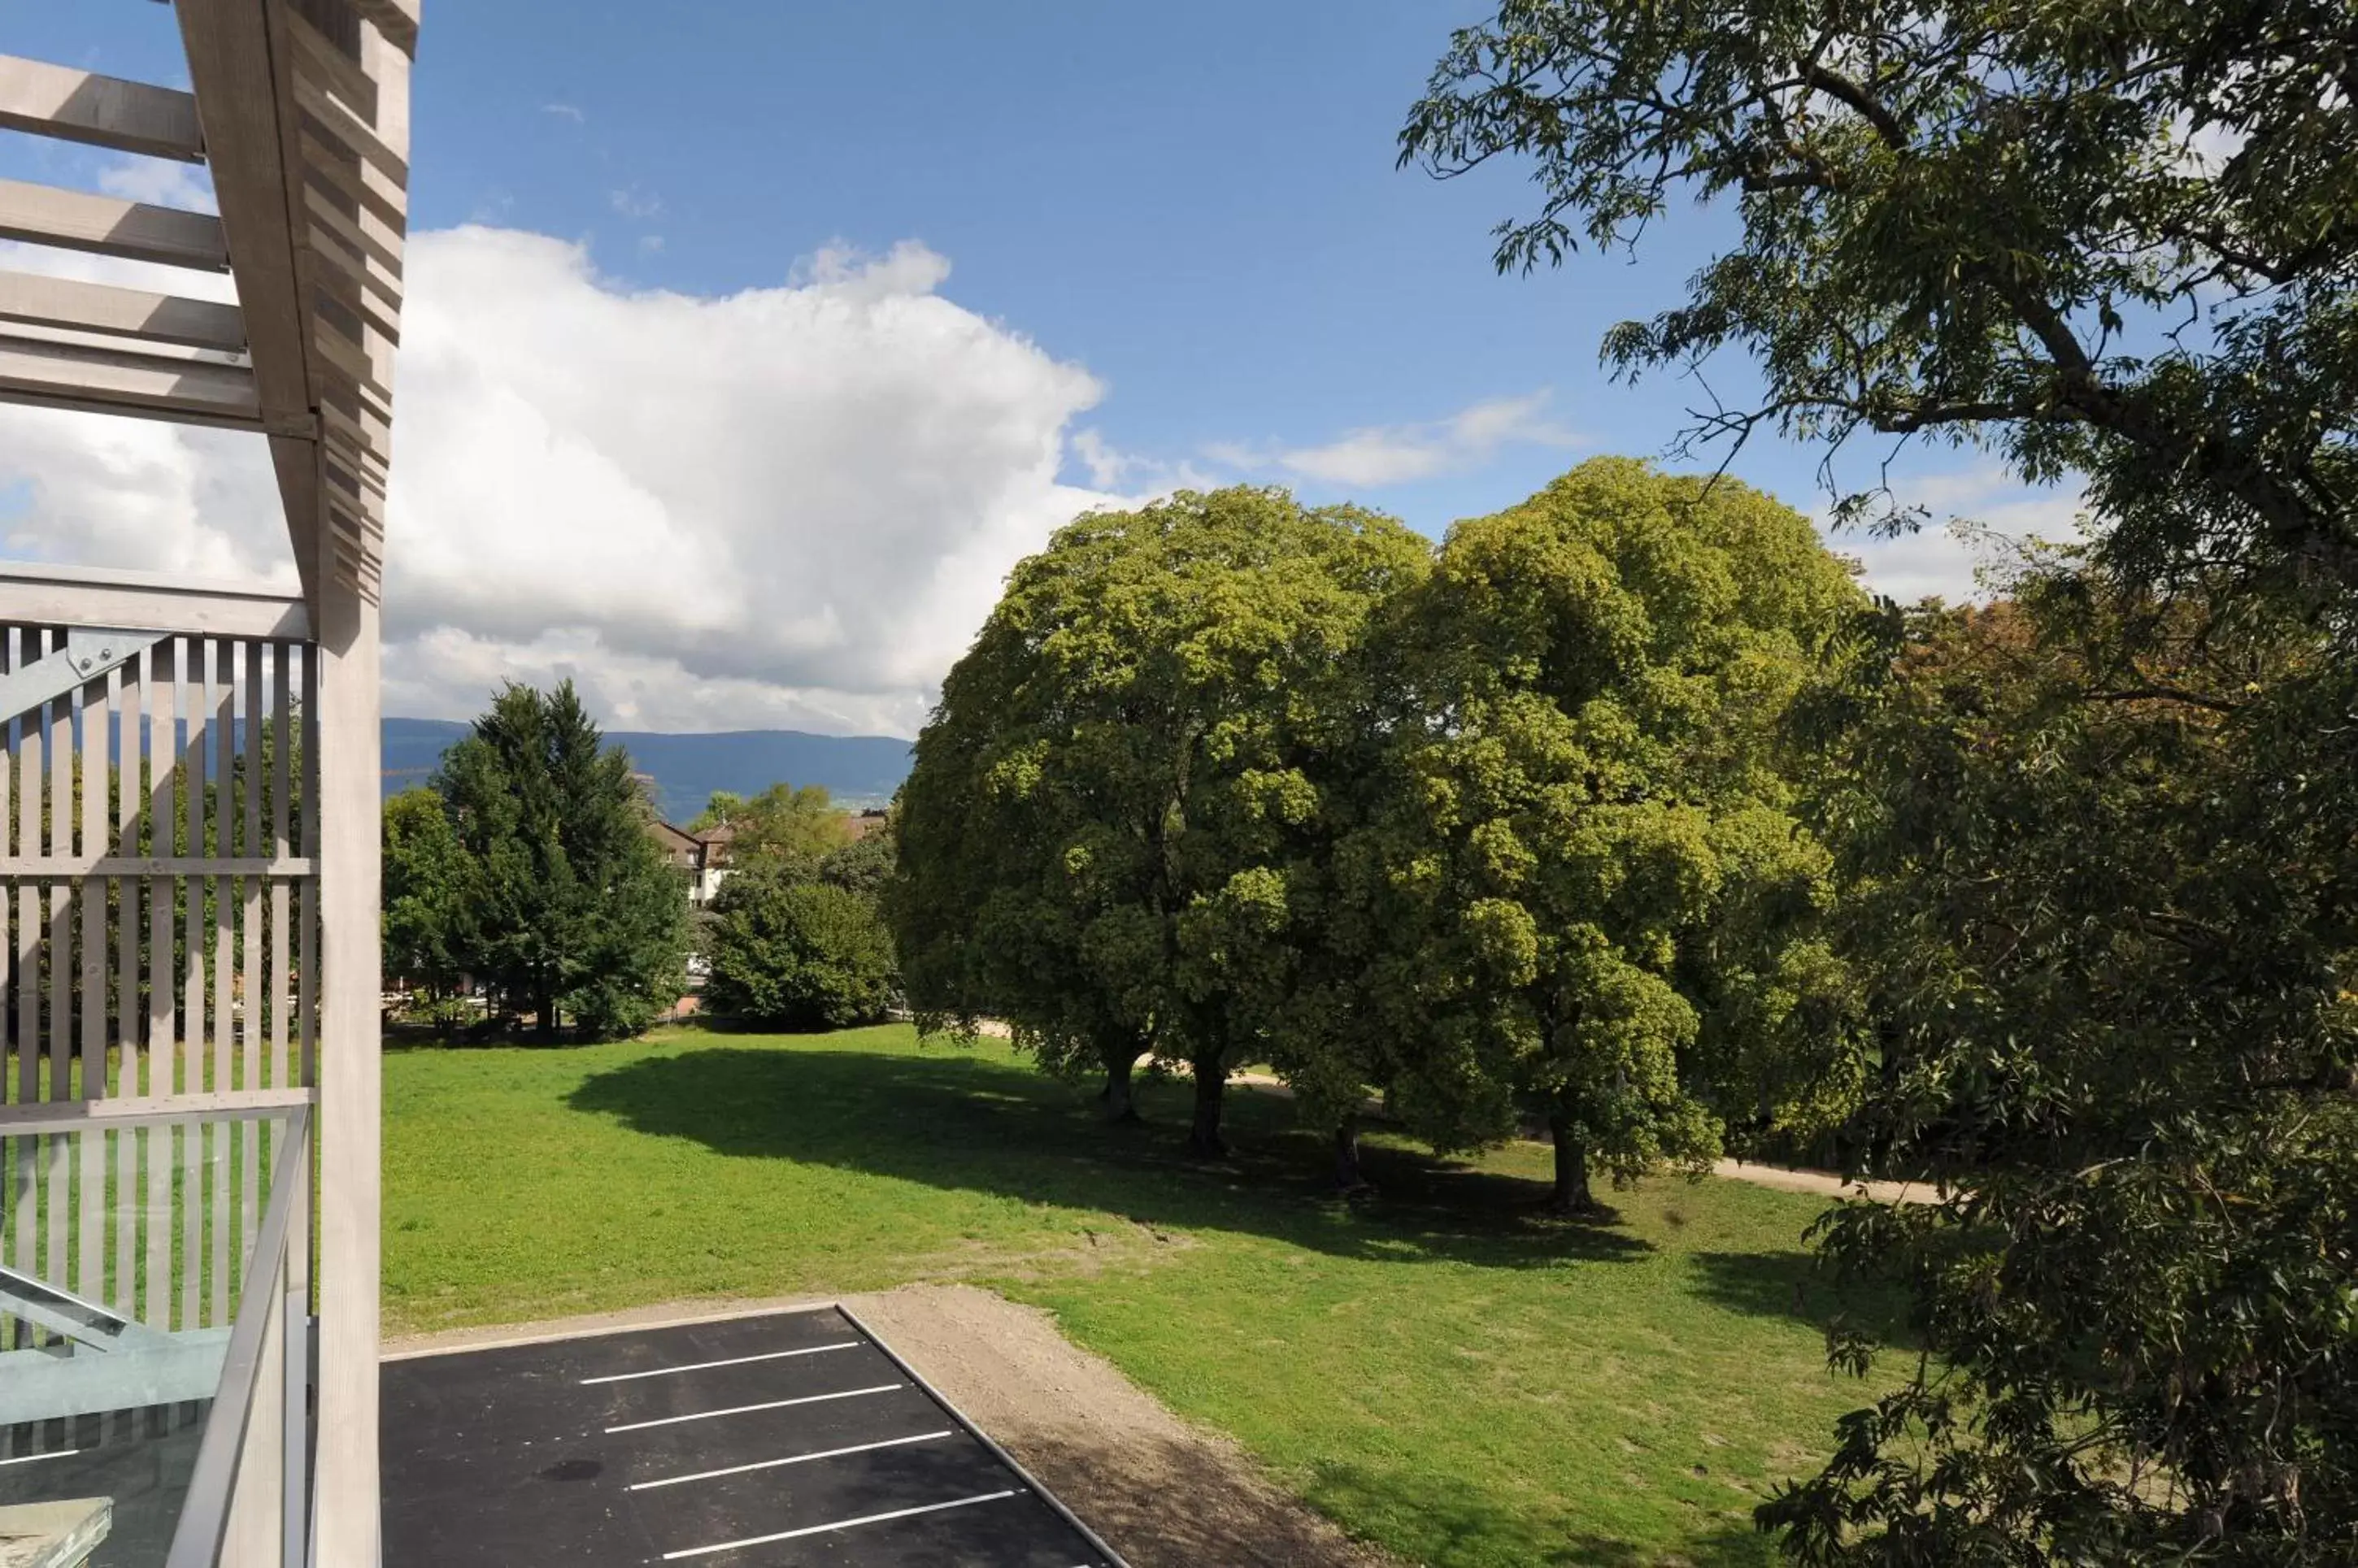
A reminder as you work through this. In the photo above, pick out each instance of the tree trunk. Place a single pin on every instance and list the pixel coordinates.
(545, 1020)
(1571, 1194)
(1203, 1139)
(1116, 1099)
(1347, 1177)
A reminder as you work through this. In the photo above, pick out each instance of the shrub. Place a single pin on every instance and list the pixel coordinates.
(798, 954)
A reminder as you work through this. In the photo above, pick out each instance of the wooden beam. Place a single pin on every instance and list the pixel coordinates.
(238, 87)
(351, 1081)
(68, 375)
(103, 111)
(396, 19)
(109, 226)
(43, 595)
(122, 312)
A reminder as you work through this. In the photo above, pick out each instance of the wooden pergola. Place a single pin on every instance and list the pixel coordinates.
(188, 812)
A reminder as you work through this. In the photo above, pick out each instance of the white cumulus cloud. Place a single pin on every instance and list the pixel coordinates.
(1383, 455)
(1971, 516)
(791, 506)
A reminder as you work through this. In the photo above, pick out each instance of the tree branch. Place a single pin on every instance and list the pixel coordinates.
(1837, 86)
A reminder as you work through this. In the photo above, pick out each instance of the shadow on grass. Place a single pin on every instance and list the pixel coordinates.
(1444, 1524)
(1790, 1285)
(969, 1122)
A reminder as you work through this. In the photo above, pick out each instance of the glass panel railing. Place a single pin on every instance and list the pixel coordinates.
(248, 1485)
(130, 1249)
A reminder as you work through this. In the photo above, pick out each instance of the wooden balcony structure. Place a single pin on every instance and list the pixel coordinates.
(188, 809)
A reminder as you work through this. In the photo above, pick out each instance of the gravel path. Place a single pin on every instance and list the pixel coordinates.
(1164, 1493)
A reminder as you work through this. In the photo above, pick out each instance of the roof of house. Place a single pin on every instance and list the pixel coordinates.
(674, 841)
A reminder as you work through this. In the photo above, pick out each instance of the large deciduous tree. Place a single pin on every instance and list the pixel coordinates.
(1113, 812)
(2104, 863)
(2101, 839)
(428, 884)
(573, 906)
(1585, 895)
(2114, 239)
(798, 954)
(786, 826)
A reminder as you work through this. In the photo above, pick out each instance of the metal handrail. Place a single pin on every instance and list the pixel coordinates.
(204, 1518)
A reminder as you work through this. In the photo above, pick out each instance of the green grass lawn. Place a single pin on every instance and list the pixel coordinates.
(1441, 1371)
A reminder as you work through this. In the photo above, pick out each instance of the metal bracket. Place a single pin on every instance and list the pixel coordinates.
(90, 652)
(67, 1315)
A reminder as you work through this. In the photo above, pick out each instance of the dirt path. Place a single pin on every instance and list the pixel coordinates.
(1162, 1492)
(1784, 1178)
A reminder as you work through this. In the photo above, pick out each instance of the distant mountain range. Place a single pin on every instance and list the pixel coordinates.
(858, 769)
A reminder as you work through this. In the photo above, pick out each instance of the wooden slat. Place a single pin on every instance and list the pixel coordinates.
(28, 761)
(360, 231)
(155, 1151)
(354, 272)
(281, 774)
(225, 965)
(306, 973)
(89, 1250)
(125, 1215)
(192, 1216)
(192, 888)
(129, 733)
(193, 1140)
(110, 226)
(69, 303)
(71, 375)
(317, 56)
(71, 867)
(396, 19)
(249, 931)
(101, 111)
(58, 745)
(163, 745)
(329, 161)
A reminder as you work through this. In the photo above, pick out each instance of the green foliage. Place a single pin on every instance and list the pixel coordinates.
(2108, 239)
(2101, 841)
(429, 882)
(2106, 868)
(798, 954)
(723, 805)
(570, 905)
(1582, 890)
(1112, 822)
(783, 825)
(864, 865)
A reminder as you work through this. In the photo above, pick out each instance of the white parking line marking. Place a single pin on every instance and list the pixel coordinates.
(797, 1459)
(35, 1458)
(747, 1410)
(733, 1361)
(839, 1524)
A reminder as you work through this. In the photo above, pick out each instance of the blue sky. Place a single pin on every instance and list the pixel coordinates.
(1192, 209)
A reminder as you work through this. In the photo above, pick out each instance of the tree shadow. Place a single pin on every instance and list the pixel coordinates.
(969, 1122)
(1457, 1524)
(1791, 1285)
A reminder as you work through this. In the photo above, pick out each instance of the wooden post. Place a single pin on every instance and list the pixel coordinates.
(350, 1089)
